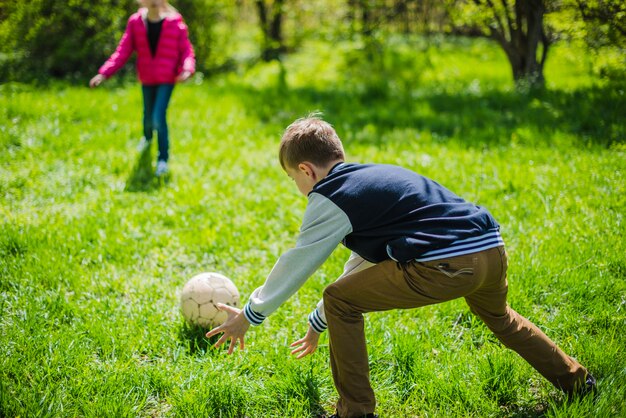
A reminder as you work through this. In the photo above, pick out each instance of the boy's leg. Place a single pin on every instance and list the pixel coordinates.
(149, 99)
(382, 287)
(518, 333)
(162, 99)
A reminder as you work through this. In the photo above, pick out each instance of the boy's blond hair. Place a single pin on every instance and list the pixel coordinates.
(310, 139)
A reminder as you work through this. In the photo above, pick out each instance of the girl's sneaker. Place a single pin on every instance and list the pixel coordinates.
(143, 144)
(161, 168)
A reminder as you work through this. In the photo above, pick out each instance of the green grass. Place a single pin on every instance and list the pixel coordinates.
(94, 251)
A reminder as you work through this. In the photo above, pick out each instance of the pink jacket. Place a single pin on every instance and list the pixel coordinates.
(174, 53)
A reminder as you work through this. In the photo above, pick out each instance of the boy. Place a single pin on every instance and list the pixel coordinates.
(414, 243)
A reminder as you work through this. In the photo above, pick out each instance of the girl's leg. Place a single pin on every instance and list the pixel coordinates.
(162, 98)
(149, 98)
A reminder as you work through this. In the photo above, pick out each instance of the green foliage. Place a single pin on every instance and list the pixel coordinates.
(71, 39)
(91, 270)
(211, 26)
(605, 21)
(42, 39)
(61, 39)
(601, 26)
(385, 65)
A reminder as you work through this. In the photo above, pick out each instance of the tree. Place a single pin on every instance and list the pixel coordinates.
(600, 25)
(271, 20)
(605, 21)
(517, 26)
(403, 16)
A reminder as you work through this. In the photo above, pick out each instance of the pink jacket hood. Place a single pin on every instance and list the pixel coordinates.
(174, 53)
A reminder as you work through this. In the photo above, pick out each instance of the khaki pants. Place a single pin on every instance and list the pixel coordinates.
(480, 278)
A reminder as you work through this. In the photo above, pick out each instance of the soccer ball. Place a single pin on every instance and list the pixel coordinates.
(200, 296)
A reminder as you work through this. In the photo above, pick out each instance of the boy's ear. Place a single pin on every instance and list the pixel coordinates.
(306, 168)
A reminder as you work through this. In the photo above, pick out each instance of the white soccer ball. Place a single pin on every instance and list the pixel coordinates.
(200, 296)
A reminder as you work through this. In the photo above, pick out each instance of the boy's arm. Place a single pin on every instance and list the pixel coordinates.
(324, 226)
(317, 318)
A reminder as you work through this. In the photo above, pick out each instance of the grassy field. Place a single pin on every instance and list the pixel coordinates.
(94, 252)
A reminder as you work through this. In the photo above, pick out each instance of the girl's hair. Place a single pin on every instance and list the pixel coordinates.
(171, 9)
(309, 139)
(168, 7)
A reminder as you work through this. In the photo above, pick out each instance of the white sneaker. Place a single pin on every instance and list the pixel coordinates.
(161, 168)
(143, 144)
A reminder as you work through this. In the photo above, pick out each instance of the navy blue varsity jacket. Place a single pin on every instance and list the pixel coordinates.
(380, 212)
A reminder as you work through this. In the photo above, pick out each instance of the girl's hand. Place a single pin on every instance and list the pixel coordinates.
(183, 76)
(96, 80)
(234, 328)
(307, 344)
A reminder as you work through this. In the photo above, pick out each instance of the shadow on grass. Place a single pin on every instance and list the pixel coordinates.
(142, 177)
(300, 384)
(593, 115)
(194, 339)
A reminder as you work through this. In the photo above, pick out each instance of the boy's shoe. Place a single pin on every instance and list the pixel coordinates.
(590, 385)
(161, 168)
(588, 388)
(143, 144)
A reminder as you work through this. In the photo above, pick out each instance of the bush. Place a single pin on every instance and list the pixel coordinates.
(40, 38)
(71, 39)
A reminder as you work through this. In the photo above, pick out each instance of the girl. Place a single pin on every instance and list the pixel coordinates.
(165, 56)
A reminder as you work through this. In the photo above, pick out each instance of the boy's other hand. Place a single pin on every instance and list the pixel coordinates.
(307, 344)
(96, 80)
(234, 328)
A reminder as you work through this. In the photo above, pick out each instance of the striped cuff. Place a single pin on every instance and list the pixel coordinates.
(316, 322)
(254, 318)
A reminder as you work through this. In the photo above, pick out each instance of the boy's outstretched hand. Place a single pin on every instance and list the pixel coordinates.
(307, 344)
(234, 328)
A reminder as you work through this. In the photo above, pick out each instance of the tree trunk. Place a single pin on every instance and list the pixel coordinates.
(271, 21)
(366, 19)
(527, 68)
(520, 32)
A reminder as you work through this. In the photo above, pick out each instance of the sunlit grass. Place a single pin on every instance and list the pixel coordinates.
(91, 269)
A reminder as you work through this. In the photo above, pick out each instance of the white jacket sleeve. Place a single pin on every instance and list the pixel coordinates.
(324, 226)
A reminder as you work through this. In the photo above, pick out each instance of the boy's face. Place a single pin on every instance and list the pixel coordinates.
(304, 175)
